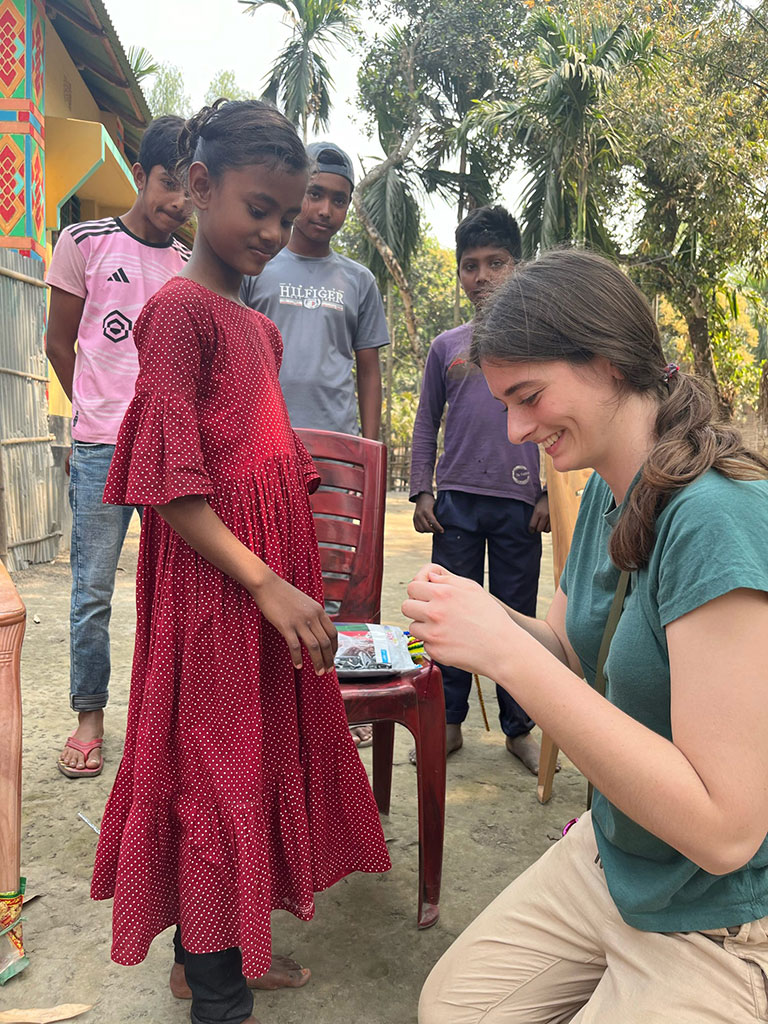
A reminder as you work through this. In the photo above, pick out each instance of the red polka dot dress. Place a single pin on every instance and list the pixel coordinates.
(240, 790)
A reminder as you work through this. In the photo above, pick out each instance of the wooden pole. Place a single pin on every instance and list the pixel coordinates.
(564, 491)
(12, 621)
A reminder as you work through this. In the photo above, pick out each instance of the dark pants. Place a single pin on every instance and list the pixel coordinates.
(470, 522)
(220, 994)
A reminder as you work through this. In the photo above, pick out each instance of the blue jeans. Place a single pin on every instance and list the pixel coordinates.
(471, 522)
(98, 532)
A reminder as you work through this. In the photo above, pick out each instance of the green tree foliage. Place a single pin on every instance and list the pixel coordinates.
(300, 79)
(429, 68)
(168, 95)
(701, 164)
(143, 64)
(224, 84)
(559, 126)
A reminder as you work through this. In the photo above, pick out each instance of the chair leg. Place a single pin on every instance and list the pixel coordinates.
(430, 772)
(547, 765)
(383, 747)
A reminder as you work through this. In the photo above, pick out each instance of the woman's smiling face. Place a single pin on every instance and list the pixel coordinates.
(566, 409)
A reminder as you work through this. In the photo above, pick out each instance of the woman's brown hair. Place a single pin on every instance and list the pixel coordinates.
(573, 305)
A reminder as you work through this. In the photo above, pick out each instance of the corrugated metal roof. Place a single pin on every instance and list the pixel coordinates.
(86, 30)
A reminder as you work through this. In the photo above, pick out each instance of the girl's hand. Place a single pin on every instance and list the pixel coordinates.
(299, 619)
(460, 623)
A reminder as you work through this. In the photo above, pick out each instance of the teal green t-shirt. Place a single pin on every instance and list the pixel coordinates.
(710, 539)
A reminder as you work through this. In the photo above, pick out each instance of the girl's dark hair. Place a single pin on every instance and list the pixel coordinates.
(232, 133)
(489, 225)
(573, 305)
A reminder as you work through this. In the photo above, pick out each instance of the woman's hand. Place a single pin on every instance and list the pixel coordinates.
(299, 619)
(460, 623)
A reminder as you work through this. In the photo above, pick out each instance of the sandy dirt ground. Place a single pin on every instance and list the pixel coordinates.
(367, 956)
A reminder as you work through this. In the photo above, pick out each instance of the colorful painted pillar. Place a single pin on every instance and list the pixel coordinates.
(22, 127)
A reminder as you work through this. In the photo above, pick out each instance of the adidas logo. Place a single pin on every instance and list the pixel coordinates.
(119, 275)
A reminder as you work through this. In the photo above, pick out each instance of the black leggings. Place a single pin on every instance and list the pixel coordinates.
(220, 994)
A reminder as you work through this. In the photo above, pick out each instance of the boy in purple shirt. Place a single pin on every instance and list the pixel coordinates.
(101, 274)
(488, 490)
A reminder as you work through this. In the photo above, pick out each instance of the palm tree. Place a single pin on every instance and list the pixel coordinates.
(560, 124)
(143, 64)
(300, 80)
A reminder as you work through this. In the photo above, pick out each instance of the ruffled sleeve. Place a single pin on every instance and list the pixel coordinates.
(308, 468)
(158, 455)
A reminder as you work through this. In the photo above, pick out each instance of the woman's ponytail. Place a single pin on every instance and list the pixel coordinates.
(689, 442)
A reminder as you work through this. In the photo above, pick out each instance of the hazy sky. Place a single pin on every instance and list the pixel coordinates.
(203, 38)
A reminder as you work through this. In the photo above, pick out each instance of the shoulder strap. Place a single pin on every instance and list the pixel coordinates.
(612, 622)
(610, 628)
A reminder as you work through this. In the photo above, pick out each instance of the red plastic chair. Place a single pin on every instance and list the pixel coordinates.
(348, 510)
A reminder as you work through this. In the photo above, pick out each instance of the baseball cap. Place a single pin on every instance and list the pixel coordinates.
(329, 159)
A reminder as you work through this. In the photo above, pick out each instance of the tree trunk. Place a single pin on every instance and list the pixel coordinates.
(390, 375)
(762, 407)
(457, 289)
(703, 360)
(393, 266)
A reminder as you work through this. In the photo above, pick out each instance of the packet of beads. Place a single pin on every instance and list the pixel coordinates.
(370, 649)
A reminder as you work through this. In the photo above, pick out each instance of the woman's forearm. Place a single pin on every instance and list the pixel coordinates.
(646, 776)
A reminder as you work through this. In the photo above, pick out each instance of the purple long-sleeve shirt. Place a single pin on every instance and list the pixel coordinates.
(478, 457)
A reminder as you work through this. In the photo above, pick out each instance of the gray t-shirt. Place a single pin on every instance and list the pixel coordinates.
(326, 310)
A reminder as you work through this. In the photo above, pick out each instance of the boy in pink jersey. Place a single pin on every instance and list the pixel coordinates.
(101, 274)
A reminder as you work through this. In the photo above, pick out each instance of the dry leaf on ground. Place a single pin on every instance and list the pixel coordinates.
(49, 1015)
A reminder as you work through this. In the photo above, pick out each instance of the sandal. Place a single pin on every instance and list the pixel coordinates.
(85, 749)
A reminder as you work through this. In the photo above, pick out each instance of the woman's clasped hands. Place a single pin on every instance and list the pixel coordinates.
(460, 623)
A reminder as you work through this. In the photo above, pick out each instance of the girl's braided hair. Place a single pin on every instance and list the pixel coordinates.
(232, 133)
(573, 305)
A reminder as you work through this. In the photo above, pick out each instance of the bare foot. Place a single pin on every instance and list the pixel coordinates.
(283, 973)
(90, 726)
(362, 735)
(453, 741)
(178, 983)
(527, 750)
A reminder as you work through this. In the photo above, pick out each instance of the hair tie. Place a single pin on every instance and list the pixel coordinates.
(670, 371)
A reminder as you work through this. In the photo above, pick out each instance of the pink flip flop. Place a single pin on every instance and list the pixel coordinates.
(85, 749)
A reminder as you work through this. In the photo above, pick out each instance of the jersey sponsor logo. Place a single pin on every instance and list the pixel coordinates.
(119, 275)
(521, 475)
(116, 326)
(310, 297)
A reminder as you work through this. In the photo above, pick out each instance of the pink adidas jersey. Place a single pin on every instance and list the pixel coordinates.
(115, 272)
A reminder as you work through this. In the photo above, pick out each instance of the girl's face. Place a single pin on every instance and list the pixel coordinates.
(247, 213)
(570, 412)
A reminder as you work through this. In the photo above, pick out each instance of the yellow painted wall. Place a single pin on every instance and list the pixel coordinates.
(66, 94)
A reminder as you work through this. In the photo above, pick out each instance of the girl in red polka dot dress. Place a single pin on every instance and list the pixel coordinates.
(240, 790)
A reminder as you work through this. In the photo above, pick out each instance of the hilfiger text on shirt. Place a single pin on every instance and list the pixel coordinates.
(311, 298)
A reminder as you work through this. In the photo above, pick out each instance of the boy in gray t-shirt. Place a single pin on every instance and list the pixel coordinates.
(328, 310)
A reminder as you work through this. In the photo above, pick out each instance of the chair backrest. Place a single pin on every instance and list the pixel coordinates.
(348, 510)
(564, 491)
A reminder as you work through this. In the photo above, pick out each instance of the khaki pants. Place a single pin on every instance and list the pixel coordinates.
(553, 948)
